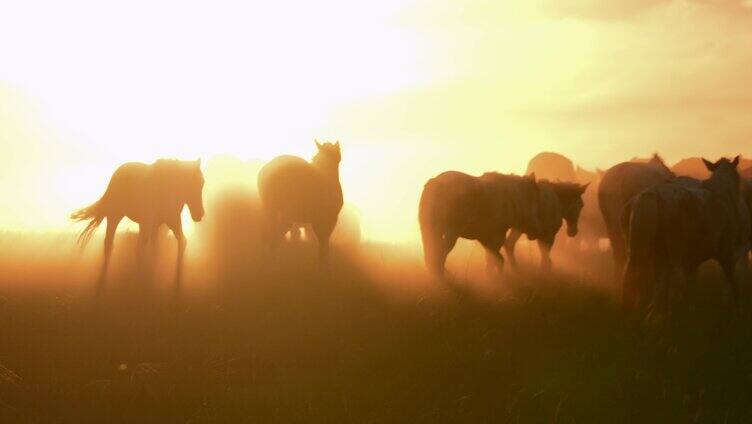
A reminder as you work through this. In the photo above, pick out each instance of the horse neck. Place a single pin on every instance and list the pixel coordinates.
(329, 171)
(720, 187)
(173, 187)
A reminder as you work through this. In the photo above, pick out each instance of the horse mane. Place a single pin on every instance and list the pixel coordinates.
(498, 176)
(566, 191)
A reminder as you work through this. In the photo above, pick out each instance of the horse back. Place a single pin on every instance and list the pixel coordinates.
(623, 182)
(292, 186)
(454, 201)
(144, 192)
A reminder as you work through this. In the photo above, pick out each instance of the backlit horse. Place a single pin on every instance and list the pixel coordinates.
(617, 187)
(673, 227)
(294, 191)
(150, 195)
(484, 208)
(558, 202)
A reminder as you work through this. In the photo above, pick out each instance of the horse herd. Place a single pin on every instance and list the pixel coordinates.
(661, 222)
(661, 225)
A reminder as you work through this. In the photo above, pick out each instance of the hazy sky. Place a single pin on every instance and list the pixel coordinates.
(410, 89)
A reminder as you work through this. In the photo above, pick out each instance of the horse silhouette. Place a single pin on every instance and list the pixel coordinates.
(695, 167)
(553, 166)
(150, 195)
(618, 186)
(454, 205)
(747, 193)
(294, 191)
(558, 201)
(674, 226)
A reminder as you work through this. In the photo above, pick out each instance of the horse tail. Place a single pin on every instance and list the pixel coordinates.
(93, 213)
(639, 222)
(430, 230)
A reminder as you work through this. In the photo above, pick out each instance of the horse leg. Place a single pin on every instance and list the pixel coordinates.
(323, 231)
(494, 260)
(109, 240)
(509, 245)
(448, 241)
(665, 281)
(177, 230)
(545, 245)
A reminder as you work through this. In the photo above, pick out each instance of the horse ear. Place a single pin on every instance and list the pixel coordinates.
(532, 176)
(735, 162)
(318, 145)
(337, 144)
(708, 164)
(583, 188)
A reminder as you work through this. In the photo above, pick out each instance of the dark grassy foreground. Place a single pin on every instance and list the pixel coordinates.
(259, 345)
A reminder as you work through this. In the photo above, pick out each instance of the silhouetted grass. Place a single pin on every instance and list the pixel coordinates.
(372, 341)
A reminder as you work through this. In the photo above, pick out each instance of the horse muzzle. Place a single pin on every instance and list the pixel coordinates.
(197, 217)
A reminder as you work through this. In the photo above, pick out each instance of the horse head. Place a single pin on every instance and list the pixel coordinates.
(328, 156)
(194, 190)
(724, 172)
(570, 198)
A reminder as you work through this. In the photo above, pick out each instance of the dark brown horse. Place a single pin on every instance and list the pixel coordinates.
(150, 195)
(484, 208)
(559, 202)
(294, 191)
(674, 226)
(617, 187)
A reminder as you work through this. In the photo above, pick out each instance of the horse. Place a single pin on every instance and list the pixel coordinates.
(618, 186)
(558, 201)
(674, 226)
(150, 195)
(294, 191)
(747, 192)
(695, 168)
(552, 166)
(454, 204)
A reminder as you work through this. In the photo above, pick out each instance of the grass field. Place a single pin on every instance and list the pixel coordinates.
(373, 340)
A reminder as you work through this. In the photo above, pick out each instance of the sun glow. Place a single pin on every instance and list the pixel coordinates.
(409, 88)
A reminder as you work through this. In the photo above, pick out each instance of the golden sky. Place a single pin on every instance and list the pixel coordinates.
(411, 88)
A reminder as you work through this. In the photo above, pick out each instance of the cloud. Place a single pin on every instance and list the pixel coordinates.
(615, 10)
(599, 10)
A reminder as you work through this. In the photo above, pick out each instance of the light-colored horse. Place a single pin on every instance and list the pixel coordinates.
(294, 191)
(558, 202)
(618, 186)
(674, 226)
(150, 195)
(484, 208)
